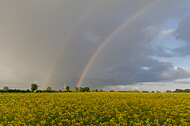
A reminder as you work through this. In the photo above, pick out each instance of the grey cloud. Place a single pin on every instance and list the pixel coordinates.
(182, 33)
(183, 30)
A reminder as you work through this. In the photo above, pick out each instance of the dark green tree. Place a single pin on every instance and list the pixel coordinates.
(178, 90)
(112, 90)
(48, 89)
(6, 88)
(86, 89)
(168, 91)
(67, 88)
(145, 92)
(187, 90)
(34, 87)
(27, 90)
(80, 89)
(100, 90)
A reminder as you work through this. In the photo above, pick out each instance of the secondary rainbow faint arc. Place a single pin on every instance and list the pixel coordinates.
(75, 28)
(109, 37)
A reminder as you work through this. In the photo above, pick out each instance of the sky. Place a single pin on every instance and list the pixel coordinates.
(51, 43)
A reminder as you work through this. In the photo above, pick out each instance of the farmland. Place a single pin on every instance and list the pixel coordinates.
(97, 108)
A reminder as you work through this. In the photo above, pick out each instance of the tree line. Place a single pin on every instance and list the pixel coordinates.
(34, 88)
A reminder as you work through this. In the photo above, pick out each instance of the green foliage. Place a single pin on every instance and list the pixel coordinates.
(96, 90)
(85, 89)
(181, 90)
(6, 88)
(27, 90)
(100, 90)
(135, 91)
(48, 89)
(145, 92)
(34, 87)
(168, 91)
(112, 90)
(16, 91)
(67, 88)
(187, 90)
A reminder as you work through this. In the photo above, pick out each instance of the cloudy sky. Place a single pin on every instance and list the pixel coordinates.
(51, 42)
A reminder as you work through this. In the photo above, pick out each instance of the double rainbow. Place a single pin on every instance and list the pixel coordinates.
(109, 37)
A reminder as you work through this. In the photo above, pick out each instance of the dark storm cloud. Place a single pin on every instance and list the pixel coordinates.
(121, 62)
(33, 32)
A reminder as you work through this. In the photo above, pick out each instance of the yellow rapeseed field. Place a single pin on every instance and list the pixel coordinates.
(106, 108)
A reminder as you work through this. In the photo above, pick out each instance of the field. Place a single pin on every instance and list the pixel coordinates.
(106, 108)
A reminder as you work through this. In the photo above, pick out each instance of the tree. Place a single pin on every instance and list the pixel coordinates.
(48, 89)
(67, 88)
(187, 90)
(27, 90)
(100, 90)
(86, 89)
(6, 88)
(34, 87)
(93, 90)
(135, 91)
(80, 89)
(76, 88)
(178, 90)
(145, 92)
(168, 91)
(96, 90)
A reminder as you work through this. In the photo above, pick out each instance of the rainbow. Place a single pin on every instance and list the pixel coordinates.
(109, 37)
(69, 38)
